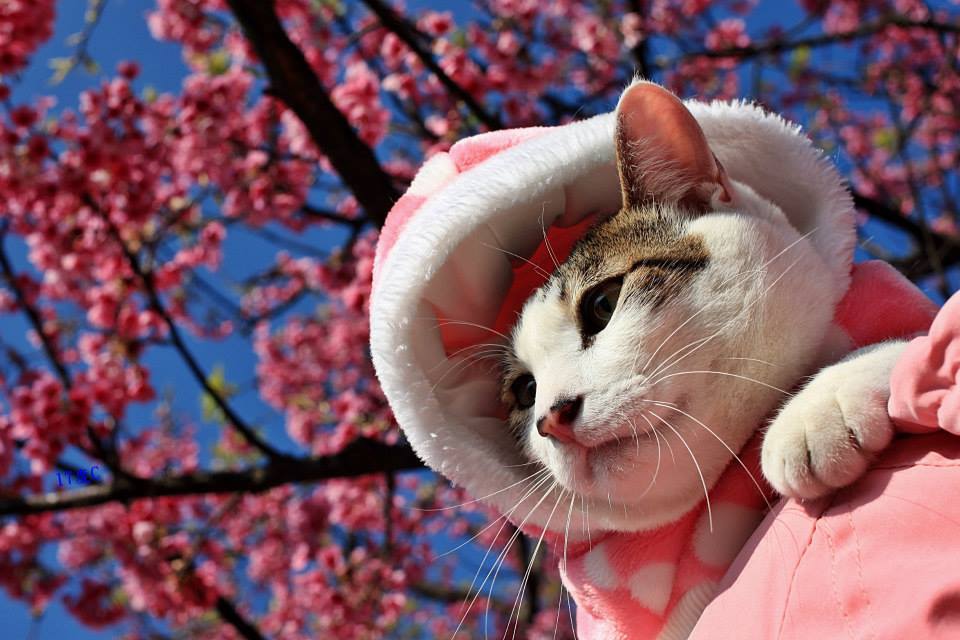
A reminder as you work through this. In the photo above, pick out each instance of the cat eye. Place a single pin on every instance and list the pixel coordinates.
(598, 305)
(524, 390)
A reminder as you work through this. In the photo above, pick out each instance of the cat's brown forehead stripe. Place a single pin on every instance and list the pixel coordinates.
(626, 241)
(618, 246)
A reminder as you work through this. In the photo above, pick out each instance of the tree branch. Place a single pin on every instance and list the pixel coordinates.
(229, 614)
(33, 316)
(321, 214)
(107, 455)
(641, 50)
(946, 247)
(533, 582)
(81, 53)
(827, 39)
(361, 457)
(454, 595)
(407, 33)
(153, 297)
(293, 81)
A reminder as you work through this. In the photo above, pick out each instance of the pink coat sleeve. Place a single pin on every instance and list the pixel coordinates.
(879, 559)
(925, 385)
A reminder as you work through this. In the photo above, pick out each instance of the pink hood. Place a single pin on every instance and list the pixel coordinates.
(439, 279)
(444, 269)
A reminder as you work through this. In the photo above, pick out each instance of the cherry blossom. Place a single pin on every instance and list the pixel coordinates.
(125, 246)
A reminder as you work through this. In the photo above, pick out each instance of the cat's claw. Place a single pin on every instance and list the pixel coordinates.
(825, 437)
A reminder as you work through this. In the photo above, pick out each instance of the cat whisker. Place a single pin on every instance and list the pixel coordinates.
(769, 364)
(696, 463)
(501, 556)
(666, 441)
(719, 373)
(491, 345)
(465, 323)
(463, 504)
(500, 561)
(669, 361)
(675, 358)
(656, 471)
(570, 613)
(566, 540)
(533, 556)
(540, 270)
(738, 275)
(728, 280)
(504, 517)
(537, 485)
(720, 330)
(585, 512)
(526, 576)
(721, 441)
(689, 319)
(466, 363)
(546, 240)
(636, 434)
(522, 464)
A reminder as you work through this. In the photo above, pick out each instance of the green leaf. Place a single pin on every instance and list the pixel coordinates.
(885, 138)
(459, 38)
(61, 67)
(334, 5)
(218, 62)
(217, 381)
(119, 597)
(90, 65)
(799, 60)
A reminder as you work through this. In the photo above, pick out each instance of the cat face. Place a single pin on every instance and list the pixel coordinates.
(653, 352)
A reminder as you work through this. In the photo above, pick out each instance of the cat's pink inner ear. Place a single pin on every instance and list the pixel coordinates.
(662, 154)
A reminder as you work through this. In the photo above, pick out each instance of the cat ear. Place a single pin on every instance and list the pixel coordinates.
(662, 154)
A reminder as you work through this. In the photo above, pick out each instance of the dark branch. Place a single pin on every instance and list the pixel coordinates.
(81, 53)
(533, 582)
(329, 216)
(947, 248)
(229, 614)
(453, 595)
(293, 81)
(406, 32)
(641, 50)
(33, 316)
(107, 455)
(827, 39)
(361, 457)
(153, 297)
(883, 211)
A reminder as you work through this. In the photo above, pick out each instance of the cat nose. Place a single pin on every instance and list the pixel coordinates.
(560, 418)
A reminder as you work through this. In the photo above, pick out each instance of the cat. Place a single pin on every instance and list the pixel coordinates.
(681, 323)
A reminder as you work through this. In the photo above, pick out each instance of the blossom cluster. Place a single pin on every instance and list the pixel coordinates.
(124, 207)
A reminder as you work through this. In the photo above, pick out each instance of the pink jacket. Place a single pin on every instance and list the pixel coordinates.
(879, 559)
(434, 260)
(654, 584)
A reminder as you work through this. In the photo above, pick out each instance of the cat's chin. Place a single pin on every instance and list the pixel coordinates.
(622, 485)
(589, 470)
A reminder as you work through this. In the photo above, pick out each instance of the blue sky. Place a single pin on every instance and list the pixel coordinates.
(123, 35)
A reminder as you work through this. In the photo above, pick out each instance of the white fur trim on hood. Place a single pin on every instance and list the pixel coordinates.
(444, 259)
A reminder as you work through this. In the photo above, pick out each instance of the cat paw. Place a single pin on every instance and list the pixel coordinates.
(825, 437)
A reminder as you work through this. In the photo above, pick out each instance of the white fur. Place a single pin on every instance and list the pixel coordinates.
(761, 298)
(826, 435)
(453, 423)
